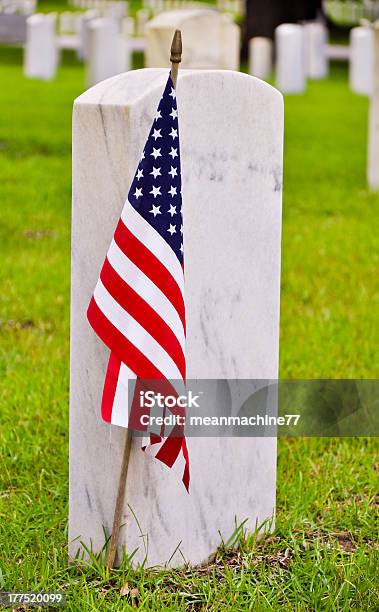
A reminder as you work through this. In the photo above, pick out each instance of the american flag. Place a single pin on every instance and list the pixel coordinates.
(137, 308)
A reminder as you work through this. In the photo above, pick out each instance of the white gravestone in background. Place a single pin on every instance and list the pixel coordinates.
(231, 130)
(316, 47)
(290, 58)
(107, 50)
(41, 49)
(211, 39)
(361, 65)
(373, 138)
(260, 57)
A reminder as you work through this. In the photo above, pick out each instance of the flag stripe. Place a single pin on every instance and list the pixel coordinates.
(110, 385)
(153, 241)
(148, 290)
(151, 267)
(142, 312)
(124, 349)
(135, 333)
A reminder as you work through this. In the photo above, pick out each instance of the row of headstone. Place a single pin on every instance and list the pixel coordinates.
(19, 7)
(113, 8)
(301, 53)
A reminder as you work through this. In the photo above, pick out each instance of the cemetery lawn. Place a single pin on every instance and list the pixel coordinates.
(323, 553)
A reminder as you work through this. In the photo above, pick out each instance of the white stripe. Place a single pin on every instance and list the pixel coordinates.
(135, 333)
(153, 241)
(120, 412)
(148, 291)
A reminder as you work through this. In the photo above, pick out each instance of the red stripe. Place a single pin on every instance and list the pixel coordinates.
(170, 449)
(151, 266)
(110, 385)
(120, 346)
(142, 312)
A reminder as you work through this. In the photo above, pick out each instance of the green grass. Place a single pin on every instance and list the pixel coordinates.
(323, 553)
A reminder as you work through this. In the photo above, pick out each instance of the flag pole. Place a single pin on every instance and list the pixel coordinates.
(176, 55)
(175, 59)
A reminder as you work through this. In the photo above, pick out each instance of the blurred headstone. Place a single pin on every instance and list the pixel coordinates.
(211, 39)
(361, 60)
(260, 57)
(41, 49)
(316, 58)
(83, 32)
(290, 58)
(107, 50)
(373, 138)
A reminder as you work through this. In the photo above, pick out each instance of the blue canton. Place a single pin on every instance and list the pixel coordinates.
(156, 189)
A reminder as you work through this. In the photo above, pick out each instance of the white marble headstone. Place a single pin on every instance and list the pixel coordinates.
(231, 128)
(210, 39)
(260, 57)
(290, 58)
(107, 50)
(373, 136)
(361, 67)
(316, 47)
(41, 49)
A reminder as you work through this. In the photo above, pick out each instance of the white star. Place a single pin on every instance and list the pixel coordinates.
(174, 113)
(173, 153)
(172, 191)
(156, 211)
(173, 172)
(173, 133)
(158, 115)
(181, 229)
(181, 248)
(138, 193)
(139, 175)
(155, 191)
(157, 134)
(172, 210)
(172, 229)
(143, 155)
(156, 153)
(156, 172)
(173, 93)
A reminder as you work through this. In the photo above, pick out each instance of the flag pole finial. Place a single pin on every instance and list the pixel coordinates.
(176, 55)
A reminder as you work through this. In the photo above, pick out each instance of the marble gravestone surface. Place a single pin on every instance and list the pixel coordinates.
(210, 39)
(231, 128)
(260, 57)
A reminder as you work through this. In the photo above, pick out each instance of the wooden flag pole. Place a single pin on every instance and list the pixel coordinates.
(175, 59)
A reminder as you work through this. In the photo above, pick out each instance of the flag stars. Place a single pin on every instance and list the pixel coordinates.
(139, 174)
(174, 113)
(157, 134)
(173, 172)
(181, 248)
(181, 229)
(172, 191)
(172, 229)
(155, 191)
(156, 153)
(138, 193)
(156, 172)
(174, 133)
(172, 210)
(158, 115)
(172, 93)
(156, 210)
(173, 153)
